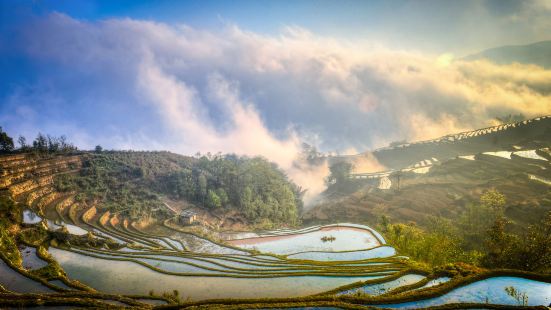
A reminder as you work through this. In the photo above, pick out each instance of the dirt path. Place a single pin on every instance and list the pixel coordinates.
(171, 208)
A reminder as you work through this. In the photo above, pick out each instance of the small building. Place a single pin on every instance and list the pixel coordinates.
(187, 217)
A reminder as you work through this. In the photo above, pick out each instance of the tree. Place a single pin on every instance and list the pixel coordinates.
(22, 143)
(98, 149)
(53, 144)
(65, 146)
(420, 244)
(310, 155)
(201, 187)
(6, 142)
(499, 245)
(534, 252)
(339, 172)
(477, 218)
(224, 199)
(494, 200)
(384, 222)
(246, 202)
(213, 201)
(40, 144)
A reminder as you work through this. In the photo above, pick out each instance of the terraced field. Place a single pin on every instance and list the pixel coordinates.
(494, 138)
(441, 177)
(62, 251)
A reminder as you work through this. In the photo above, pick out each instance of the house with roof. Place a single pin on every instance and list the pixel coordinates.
(187, 217)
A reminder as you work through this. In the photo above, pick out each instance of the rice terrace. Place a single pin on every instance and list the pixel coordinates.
(326, 167)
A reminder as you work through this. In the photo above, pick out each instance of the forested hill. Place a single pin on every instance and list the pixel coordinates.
(135, 185)
(133, 182)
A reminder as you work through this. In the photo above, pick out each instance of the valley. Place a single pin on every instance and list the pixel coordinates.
(275, 154)
(105, 230)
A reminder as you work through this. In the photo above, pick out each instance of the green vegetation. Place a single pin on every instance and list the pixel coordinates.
(132, 183)
(9, 227)
(530, 250)
(157, 167)
(253, 186)
(47, 144)
(470, 241)
(480, 237)
(477, 218)
(420, 244)
(113, 183)
(42, 144)
(6, 142)
(339, 173)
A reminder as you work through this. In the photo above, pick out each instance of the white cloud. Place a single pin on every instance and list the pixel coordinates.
(239, 91)
(180, 106)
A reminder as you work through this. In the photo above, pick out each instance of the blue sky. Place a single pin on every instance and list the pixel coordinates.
(214, 76)
(428, 25)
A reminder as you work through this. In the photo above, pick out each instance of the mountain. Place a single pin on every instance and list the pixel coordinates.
(538, 53)
(442, 177)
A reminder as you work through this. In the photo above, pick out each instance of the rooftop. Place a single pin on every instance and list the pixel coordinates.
(187, 213)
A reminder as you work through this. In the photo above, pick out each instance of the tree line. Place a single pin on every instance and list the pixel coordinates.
(41, 144)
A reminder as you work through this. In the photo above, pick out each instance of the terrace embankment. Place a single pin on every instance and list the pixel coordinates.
(124, 262)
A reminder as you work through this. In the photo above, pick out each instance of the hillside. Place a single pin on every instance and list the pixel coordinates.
(104, 229)
(144, 187)
(531, 132)
(442, 177)
(97, 230)
(538, 53)
(477, 196)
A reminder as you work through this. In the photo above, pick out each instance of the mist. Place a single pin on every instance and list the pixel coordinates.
(150, 85)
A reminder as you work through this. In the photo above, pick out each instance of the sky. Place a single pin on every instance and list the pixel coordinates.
(262, 77)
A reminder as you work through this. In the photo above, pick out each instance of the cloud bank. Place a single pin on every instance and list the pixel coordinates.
(128, 83)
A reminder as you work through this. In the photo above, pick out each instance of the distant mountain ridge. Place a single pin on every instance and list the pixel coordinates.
(495, 138)
(444, 176)
(538, 53)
